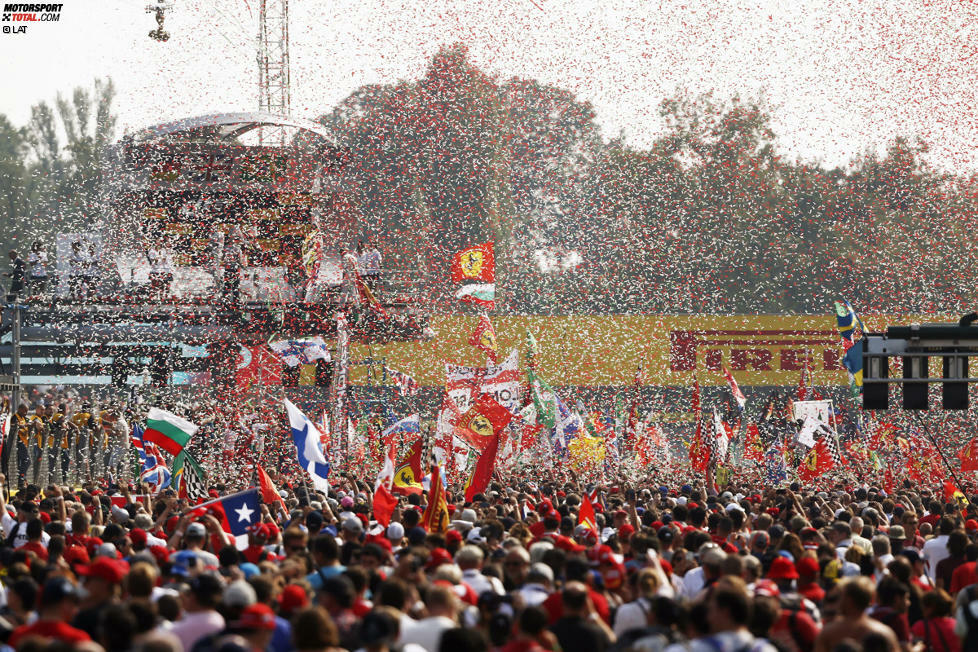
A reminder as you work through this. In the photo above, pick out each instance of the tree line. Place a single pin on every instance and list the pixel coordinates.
(711, 217)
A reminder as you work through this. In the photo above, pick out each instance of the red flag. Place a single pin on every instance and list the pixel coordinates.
(699, 451)
(483, 470)
(384, 504)
(435, 518)
(407, 475)
(483, 419)
(476, 263)
(753, 449)
(484, 337)
(585, 515)
(367, 296)
(269, 493)
(953, 494)
(969, 456)
(817, 462)
(256, 366)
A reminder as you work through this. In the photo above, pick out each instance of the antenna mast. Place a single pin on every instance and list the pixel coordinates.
(274, 94)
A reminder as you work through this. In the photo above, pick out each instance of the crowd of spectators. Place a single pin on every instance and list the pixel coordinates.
(109, 566)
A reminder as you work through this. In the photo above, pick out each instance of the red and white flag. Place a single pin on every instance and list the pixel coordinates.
(734, 388)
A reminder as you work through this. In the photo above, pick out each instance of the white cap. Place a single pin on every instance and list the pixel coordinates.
(395, 531)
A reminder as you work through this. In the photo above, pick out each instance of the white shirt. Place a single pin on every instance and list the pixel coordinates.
(631, 615)
(38, 262)
(195, 626)
(934, 552)
(693, 583)
(9, 523)
(427, 632)
(480, 583)
(724, 642)
(534, 594)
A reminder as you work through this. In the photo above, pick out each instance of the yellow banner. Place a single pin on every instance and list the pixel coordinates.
(607, 349)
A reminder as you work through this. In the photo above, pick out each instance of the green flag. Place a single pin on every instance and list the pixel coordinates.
(189, 478)
(544, 399)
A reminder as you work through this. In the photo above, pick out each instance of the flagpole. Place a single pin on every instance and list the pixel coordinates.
(943, 458)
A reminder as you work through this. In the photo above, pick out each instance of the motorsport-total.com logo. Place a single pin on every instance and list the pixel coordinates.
(22, 13)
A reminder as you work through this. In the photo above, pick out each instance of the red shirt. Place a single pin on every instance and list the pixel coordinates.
(554, 606)
(56, 630)
(813, 592)
(794, 624)
(38, 549)
(964, 575)
(938, 634)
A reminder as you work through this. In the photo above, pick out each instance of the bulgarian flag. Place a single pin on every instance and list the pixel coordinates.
(168, 431)
(481, 294)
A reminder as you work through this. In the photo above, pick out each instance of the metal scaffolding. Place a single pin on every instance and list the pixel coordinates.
(274, 94)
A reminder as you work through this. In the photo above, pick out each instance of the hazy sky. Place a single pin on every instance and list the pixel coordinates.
(838, 77)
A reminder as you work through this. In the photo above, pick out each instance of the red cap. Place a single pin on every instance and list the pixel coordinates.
(257, 616)
(138, 536)
(971, 525)
(807, 566)
(567, 544)
(45, 517)
(601, 554)
(451, 510)
(782, 569)
(104, 568)
(76, 555)
(293, 597)
(766, 588)
(438, 557)
(453, 536)
(160, 553)
(626, 531)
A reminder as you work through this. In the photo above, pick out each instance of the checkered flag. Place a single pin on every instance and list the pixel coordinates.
(832, 445)
(189, 478)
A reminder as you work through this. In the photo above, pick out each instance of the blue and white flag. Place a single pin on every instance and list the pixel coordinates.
(308, 446)
(304, 351)
(407, 425)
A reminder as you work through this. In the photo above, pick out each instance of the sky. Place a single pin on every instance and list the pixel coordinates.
(838, 78)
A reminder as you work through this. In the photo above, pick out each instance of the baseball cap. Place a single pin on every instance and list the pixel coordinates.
(196, 530)
(256, 616)
(293, 597)
(57, 589)
(105, 568)
(438, 557)
(782, 569)
(353, 525)
(395, 531)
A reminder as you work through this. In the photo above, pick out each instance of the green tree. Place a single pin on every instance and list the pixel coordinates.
(65, 178)
(13, 173)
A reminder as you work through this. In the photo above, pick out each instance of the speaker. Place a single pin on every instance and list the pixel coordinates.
(915, 394)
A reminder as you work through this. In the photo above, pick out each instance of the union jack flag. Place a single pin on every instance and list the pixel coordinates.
(155, 472)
